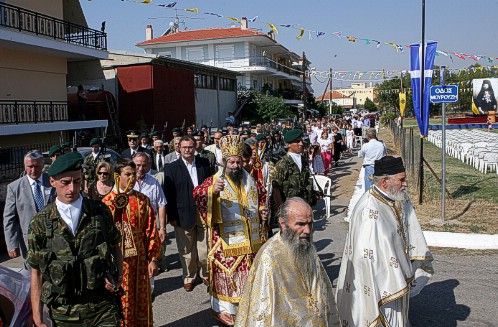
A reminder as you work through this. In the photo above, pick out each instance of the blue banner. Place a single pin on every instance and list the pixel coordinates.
(422, 114)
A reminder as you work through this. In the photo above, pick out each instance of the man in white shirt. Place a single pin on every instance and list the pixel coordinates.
(371, 151)
(25, 197)
(215, 148)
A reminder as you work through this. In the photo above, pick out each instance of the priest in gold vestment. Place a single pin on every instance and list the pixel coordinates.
(385, 259)
(287, 285)
(231, 204)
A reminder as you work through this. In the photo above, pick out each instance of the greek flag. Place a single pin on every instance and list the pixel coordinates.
(422, 114)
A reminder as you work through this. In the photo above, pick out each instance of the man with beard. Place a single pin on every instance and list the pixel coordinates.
(232, 205)
(385, 259)
(287, 285)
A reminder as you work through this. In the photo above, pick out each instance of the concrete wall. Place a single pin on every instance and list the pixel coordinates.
(206, 106)
(28, 76)
(52, 8)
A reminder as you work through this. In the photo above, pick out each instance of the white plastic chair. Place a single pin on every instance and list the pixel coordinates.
(324, 184)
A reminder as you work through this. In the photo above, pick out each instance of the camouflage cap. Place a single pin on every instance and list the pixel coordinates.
(95, 141)
(292, 135)
(54, 149)
(68, 162)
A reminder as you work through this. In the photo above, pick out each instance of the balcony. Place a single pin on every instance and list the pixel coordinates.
(17, 19)
(256, 64)
(25, 117)
(21, 112)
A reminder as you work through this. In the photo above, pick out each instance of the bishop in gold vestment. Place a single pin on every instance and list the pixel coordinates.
(232, 207)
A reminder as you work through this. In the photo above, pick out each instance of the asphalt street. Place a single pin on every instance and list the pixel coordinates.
(463, 291)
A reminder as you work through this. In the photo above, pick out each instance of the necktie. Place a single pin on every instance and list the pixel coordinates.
(160, 162)
(39, 202)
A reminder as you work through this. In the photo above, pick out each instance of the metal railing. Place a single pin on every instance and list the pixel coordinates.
(12, 159)
(30, 21)
(21, 112)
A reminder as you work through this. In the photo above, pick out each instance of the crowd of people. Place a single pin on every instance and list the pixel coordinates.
(93, 231)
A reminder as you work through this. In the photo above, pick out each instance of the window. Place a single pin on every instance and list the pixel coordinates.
(203, 81)
(227, 84)
(225, 52)
(195, 54)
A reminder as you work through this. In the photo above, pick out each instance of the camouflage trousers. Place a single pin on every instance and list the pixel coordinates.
(102, 314)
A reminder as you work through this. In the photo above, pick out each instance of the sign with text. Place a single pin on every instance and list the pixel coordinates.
(444, 93)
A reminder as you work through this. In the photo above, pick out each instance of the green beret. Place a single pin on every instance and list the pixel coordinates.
(95, 141)
(154, 133)
(67, 162)
(260, 137)
(292, 134)
(54, 149)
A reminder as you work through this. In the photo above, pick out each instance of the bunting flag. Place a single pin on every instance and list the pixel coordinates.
(213, 14)
(284, 25)
(338, 34)
(146, 1)
(169, 5)
(273, 28)
(422, 113)
(395, 46)
(194, 10)
(402, 103)
(234, 19)
(318, 33)
(300, 35)
(252, 20)
(351, 38)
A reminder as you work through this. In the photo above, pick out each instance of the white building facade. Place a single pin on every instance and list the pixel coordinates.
(261, 62)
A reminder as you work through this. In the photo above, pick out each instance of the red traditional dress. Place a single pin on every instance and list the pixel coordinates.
(140, 245)
(234, 233)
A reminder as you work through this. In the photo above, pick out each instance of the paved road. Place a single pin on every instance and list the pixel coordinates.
(463, 292)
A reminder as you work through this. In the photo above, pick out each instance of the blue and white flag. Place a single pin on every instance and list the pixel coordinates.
(422, 114)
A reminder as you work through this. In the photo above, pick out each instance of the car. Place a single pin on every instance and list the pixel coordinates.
(109, 154)
(15, 303)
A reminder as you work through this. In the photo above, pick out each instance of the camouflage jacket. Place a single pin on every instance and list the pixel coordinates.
(73, 267)
(89, 166)
(291, 182)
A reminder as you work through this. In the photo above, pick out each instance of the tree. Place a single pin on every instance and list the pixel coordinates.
(269, 107)
(369, 105)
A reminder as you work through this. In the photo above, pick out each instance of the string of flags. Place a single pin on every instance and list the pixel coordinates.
(385, 74)
(315, 34)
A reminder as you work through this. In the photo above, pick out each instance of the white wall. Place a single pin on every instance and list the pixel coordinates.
(206, 106)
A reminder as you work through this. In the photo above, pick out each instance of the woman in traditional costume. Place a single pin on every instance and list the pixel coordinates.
(135, 219)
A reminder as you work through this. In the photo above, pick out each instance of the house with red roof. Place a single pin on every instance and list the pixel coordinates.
(260, 61)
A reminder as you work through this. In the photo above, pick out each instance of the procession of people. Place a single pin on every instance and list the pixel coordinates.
(241, 204)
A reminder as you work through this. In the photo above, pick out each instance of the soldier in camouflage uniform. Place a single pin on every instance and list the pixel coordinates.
(201, 152)
(72, 245)
(91, 161)
(291, 176)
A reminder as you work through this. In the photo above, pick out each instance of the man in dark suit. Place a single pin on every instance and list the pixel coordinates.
(158, 156)
(133, 146)
(25, 197)
(181, 177)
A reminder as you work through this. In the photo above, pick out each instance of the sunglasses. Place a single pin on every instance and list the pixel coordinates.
(103, 173)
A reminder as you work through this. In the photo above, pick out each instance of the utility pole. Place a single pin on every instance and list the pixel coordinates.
(304, 68)
(443, 151)
(422, 86)
(331, 91)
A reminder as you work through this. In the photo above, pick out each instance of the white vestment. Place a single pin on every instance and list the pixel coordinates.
(385, 260)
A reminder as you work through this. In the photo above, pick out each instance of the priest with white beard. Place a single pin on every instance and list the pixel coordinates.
(287, 284)
(385, 259)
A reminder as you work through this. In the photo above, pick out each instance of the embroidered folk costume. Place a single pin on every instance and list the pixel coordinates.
(233, 224)
(279, 295)
(135, 219)
(385, 259)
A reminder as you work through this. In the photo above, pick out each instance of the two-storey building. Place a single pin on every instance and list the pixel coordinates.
(39, 42)
(260, 61)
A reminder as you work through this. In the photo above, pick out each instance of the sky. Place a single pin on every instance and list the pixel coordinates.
(462, 26)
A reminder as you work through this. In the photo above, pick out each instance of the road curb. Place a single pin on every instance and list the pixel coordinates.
(462, 240)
